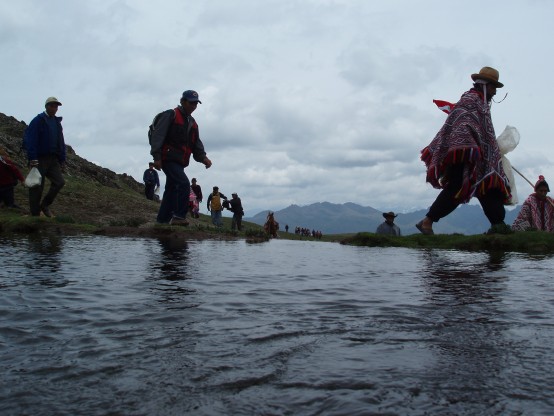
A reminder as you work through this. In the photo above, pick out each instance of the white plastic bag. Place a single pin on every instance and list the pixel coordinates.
(508, 140)
(510, 174)
(33, 179)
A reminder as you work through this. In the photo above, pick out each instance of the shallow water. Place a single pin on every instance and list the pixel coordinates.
(121, 326)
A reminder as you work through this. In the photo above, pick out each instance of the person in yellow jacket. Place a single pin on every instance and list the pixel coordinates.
(215, 206)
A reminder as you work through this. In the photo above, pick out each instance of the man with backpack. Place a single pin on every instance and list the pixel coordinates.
(174, 138)
(215, 206)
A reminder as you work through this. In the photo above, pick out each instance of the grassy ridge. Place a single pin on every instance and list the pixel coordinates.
(524, 242)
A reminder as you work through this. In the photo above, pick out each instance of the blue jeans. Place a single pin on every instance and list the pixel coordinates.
(175, 200)
(216, 218)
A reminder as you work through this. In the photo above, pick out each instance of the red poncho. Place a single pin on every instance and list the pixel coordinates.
(467, 137)
(535, 214)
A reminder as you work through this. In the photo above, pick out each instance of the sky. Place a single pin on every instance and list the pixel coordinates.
(302, 101)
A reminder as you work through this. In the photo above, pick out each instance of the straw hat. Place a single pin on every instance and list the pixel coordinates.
(488, 74)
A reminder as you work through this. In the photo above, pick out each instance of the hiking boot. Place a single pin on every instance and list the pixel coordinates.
(46, 211)
(179, 221)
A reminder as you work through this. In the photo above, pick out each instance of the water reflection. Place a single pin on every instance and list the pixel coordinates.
(465, 294)
(169, 267)
(151, 326)
(43, 260)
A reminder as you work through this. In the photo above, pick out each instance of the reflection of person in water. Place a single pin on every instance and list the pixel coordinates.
(173, 256)
(45, 262)
(464, 296)
(171, 264)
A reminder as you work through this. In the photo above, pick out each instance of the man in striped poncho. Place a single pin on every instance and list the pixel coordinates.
(463, 160)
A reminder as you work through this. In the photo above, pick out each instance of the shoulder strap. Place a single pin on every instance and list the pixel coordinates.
(178, 116)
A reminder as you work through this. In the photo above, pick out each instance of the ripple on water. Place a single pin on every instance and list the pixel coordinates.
(175, 327)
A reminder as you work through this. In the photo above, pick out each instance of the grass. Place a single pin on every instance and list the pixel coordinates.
(524, 242)
(87, 206)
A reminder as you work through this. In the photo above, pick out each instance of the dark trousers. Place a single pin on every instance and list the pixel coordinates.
(492, 202)
(175, 200)
(149, 191)
(49, 167)
(236, 222)
(6, 196)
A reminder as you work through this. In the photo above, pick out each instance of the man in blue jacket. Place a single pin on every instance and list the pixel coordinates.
(151, 181)
(45, 148)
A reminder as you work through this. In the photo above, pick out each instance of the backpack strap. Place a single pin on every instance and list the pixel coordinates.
(178, 117)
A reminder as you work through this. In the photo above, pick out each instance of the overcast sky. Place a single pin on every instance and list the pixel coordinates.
(302, 101)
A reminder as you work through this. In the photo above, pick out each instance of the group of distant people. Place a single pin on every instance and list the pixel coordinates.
(305, 232)
(216, 201)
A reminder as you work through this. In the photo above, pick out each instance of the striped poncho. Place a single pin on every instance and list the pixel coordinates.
(535, 214)
(467, 137)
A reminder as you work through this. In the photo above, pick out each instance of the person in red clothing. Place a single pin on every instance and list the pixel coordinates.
(9, 175)
(174, 140)
(197, 189)
(464, 160)
(537, 212)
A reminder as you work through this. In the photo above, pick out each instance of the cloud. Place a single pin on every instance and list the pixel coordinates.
(302, 101)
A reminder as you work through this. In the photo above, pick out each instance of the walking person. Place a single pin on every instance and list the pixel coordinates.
(174, 139)
(238, 212)
(215, 206)
(388, 227)
(151, 181)
(463, 160)
(197, 189)
(45, 146)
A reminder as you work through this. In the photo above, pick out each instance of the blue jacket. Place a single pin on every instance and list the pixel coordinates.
(37, 138)
(151, 177)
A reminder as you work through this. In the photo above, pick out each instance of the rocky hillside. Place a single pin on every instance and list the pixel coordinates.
(92, 194)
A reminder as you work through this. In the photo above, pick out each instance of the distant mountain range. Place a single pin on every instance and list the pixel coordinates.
(352, 218)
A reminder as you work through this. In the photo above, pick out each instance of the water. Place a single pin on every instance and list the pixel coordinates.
(121, 326)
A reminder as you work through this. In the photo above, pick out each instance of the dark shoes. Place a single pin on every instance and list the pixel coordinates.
(424, 231)
(46, 211)
(179, 221)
